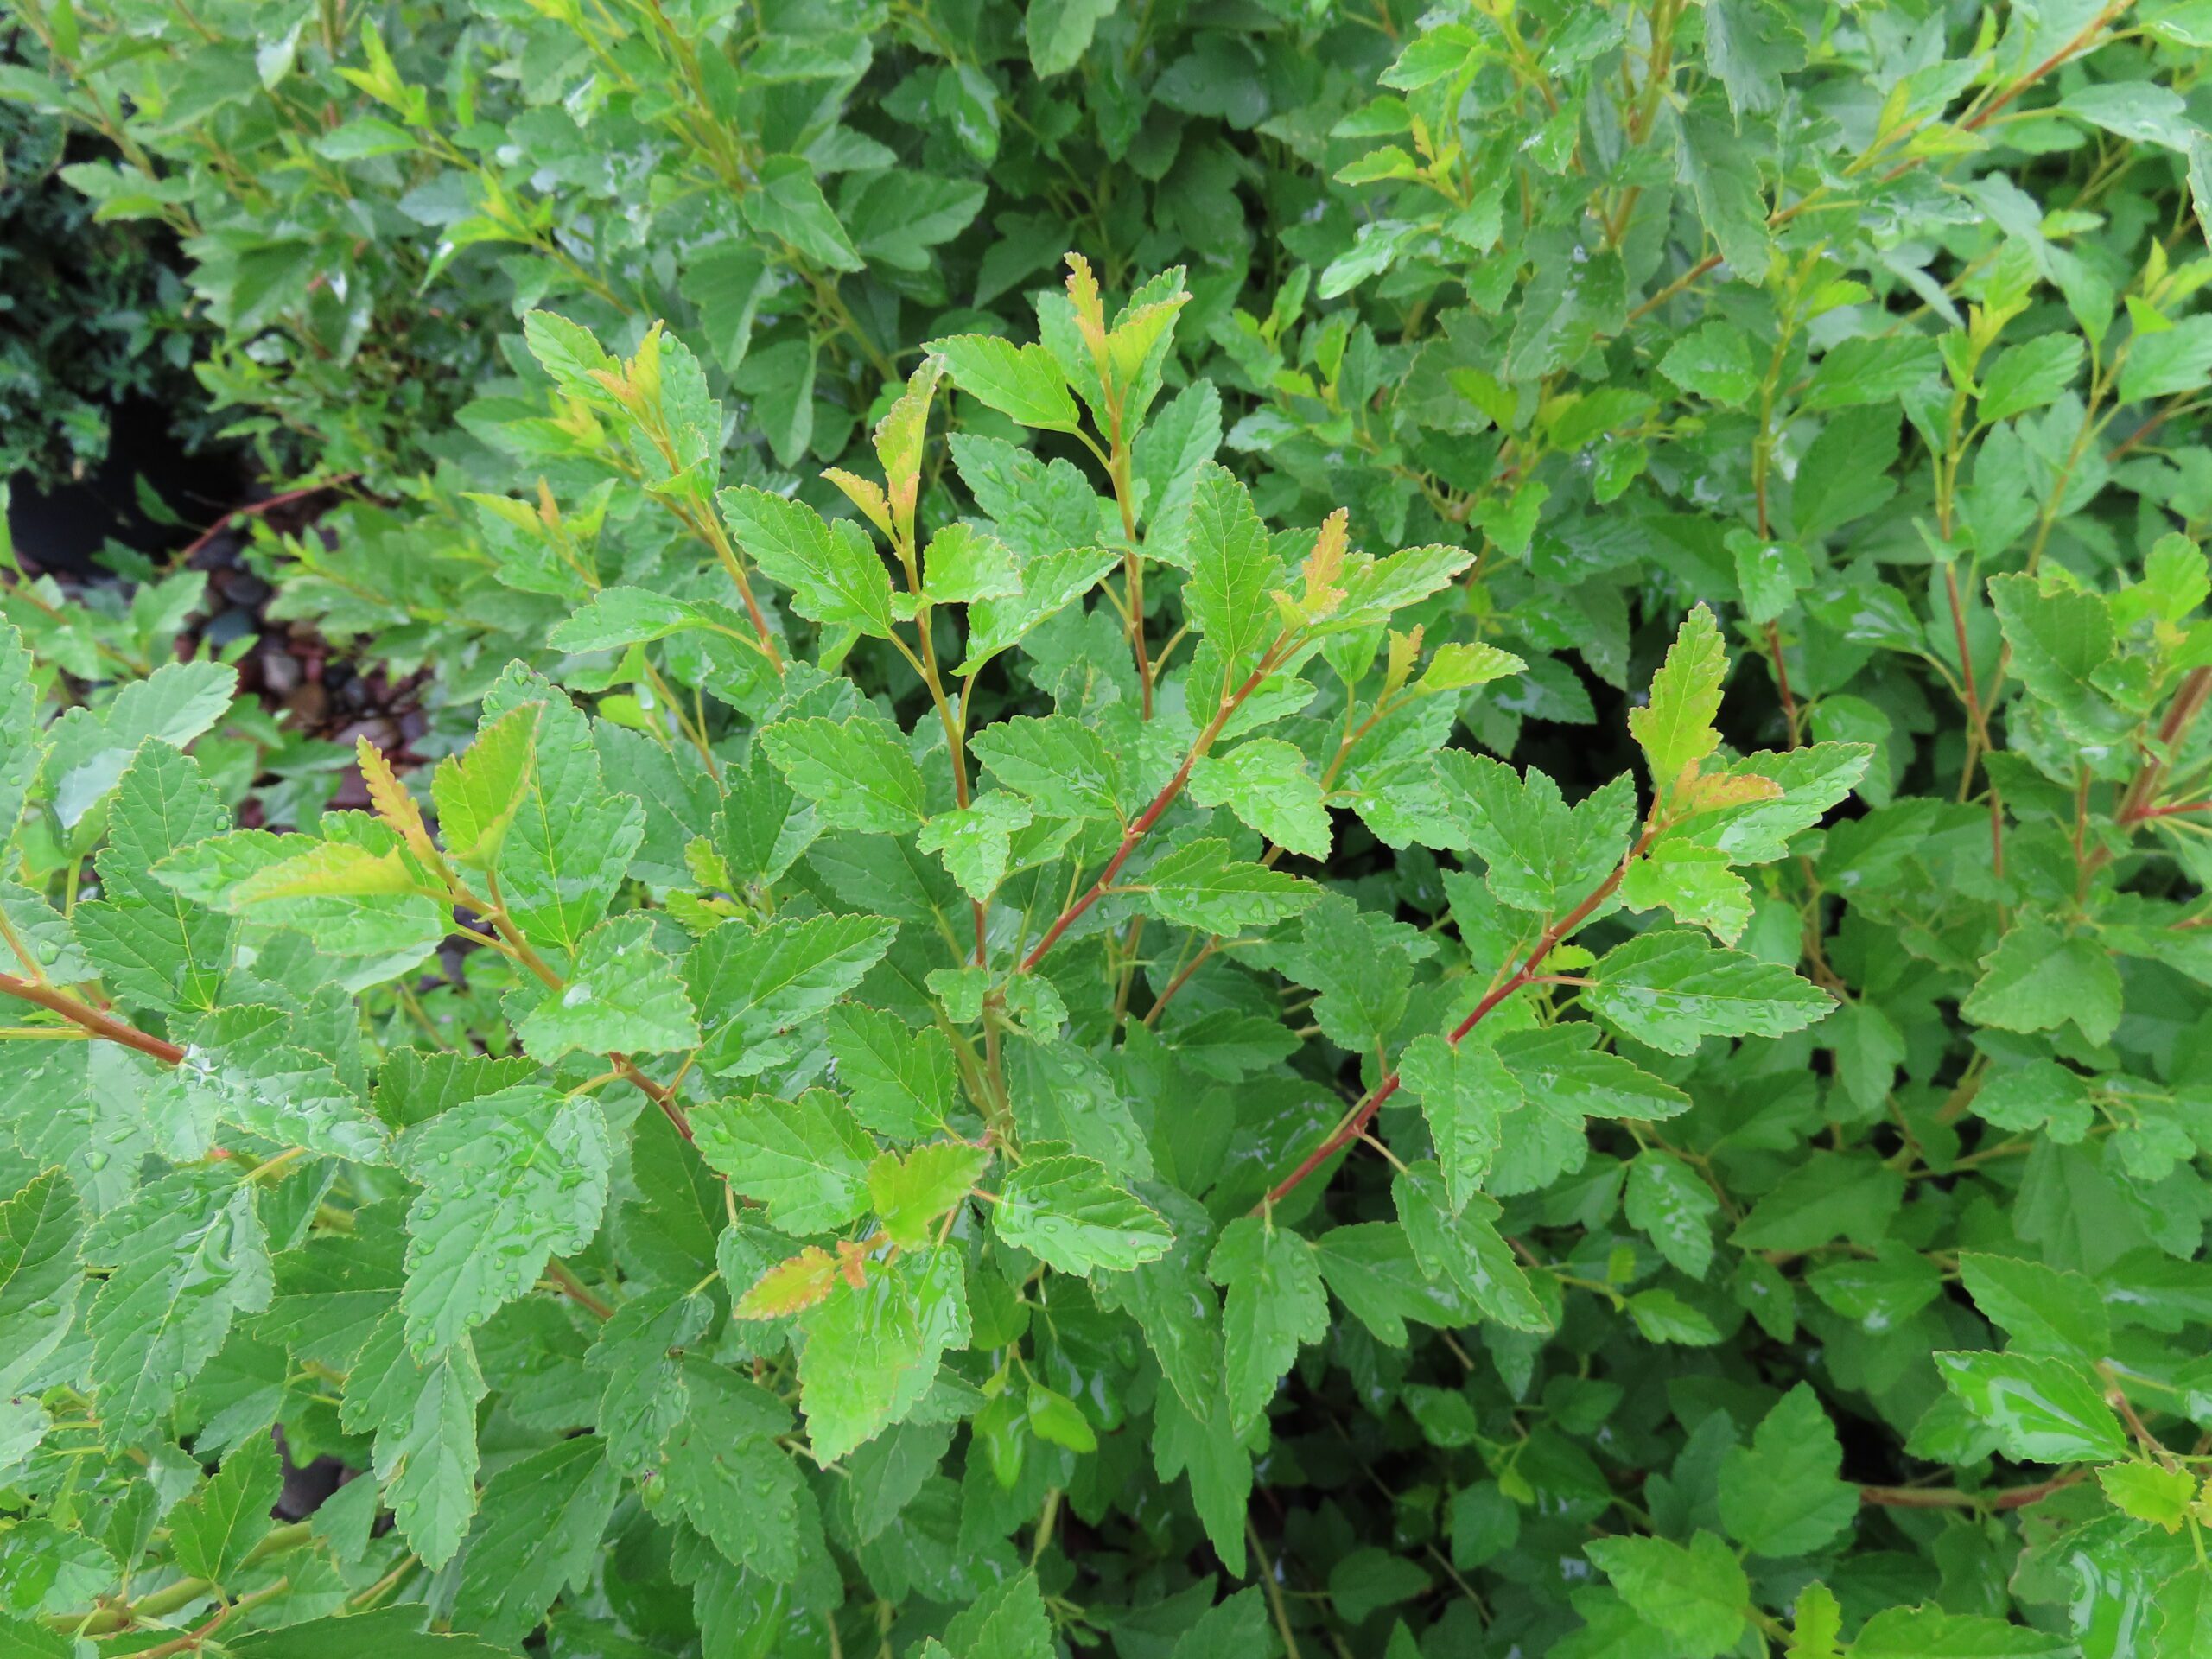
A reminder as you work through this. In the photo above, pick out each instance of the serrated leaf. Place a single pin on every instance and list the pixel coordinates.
(1200, 885)
(1697, 1596)
(569, 846)
(1275, 1302)
(1059, 765)
(423, 1415)
(790, 1287)
(2043, 1410)
(836, 577)
(622, 996)
(540, 1527)
(154, 948)
(186, 1254)
(1675, 729)
(1694, 883)
(1465, 1093)
(210, 1531)
(508, 1179)
(1068, 1212)
(975, 841)
(1666, 1202)
(910, 1194)
(805, 1158)
(856, 772)
(1233, 570)
(479, 790)
(904, 1082)
(1783, 1495)
(1021, 382)
(1265, 782)
(872, 1351)
(1539, 854)
(1672, 989)
(758, 986)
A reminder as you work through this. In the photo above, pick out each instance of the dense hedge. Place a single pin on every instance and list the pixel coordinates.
(1247, 828)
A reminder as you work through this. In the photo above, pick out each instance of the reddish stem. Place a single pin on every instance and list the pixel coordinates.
(100, 1025)
(1364, 1114)
(1950, 1497)
(1150, 816)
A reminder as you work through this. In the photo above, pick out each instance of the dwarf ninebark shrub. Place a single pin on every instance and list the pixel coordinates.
(1475, 926)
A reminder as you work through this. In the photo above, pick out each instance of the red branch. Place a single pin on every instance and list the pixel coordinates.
(91, 1019)
(1361, 1115)
(1138, 829)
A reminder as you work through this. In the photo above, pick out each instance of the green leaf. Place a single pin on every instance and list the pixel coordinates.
(44, 935)
(805, 1158)
(856, 772)
(2059, 640)
(836, 577)
(1675, 729)
(2160, 364)
(1265, 782)
(21, 747)
(569, 846)
(2037, 979)
(154, 949)
(508, 1180)
(89, 751)
(760, 985)
(38, 1271)
(1694, 882)
(1831, 1195)
(1464, 1091)
(1697, 1596)
(246, 1066)
(2043, 1410)
(1667, 1202)
(1233, 570)
(1930, 1633)
(423, 1415)
(540, 1529)
(2029, 376)
(186, 1254)
(210, 1531)
(1672, 989)
(871, 1352)
(1008, 1620)
(1068, 1212)
(1198, 885)
(1539, 854)
(725, 1470)
(899, 216)
(1715, 361)
(1275, 1302)
(1783, 1495)
(479, 791)
(963, 565)
(911, 1193)
(2044, 1311)
(787, 204)
(1466, 1251)
(903, 1081)
(1021, 382)
(975, 841)
(385, 1633)
(622, 996)
(2145, 1491)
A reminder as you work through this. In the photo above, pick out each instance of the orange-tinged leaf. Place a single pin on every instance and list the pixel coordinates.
(790, 1287)
(393, 805)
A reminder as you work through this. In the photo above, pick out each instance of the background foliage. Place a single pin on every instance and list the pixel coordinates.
(1452, 904)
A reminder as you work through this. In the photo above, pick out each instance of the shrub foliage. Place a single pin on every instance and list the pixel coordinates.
(1455, 906)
